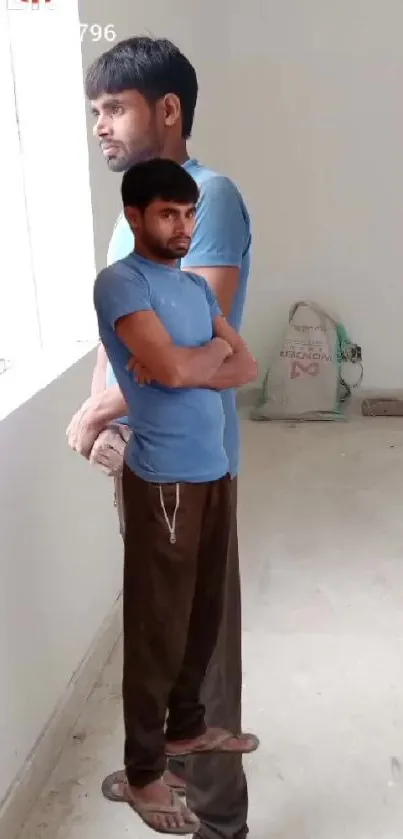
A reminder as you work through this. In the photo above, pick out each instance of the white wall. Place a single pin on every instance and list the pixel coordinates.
(301, 102)
(60, 568)
(61, 555)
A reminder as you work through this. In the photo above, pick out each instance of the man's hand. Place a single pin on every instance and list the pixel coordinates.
(95, 414)
(237, 370)
(84, 429)
(224, 345)
(144, 377)
(108, 450)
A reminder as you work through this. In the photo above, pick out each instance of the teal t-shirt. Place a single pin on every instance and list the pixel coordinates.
(222, 238)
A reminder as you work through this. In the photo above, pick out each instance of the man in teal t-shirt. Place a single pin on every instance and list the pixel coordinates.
(143, 93)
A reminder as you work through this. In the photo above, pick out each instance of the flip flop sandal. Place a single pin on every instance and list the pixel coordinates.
(147, 811)
(112, 787)
(214, 741)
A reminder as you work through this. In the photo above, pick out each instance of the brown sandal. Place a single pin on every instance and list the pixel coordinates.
(175, 808)
(213, 741)
(113, 784)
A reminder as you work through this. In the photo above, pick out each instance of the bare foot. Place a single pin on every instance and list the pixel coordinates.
(161, 809)
(114, 785)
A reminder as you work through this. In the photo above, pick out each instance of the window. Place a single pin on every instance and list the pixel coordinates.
(47, 248)
(17, 284)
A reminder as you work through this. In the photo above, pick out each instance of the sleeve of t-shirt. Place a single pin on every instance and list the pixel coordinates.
(116, 295)
(221, 228)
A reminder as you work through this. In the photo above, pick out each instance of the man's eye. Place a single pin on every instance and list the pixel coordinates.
(117, 111)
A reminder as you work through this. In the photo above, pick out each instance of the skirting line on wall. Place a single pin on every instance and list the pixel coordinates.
(33, 776)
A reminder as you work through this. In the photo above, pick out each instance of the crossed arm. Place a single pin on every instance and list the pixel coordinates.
(225, 362)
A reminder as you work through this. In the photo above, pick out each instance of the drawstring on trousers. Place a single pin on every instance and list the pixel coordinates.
(170, 525)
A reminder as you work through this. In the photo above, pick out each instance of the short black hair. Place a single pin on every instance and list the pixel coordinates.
(158, 179)
(153, 66)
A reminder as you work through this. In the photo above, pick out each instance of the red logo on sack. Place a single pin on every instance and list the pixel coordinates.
(298, 369)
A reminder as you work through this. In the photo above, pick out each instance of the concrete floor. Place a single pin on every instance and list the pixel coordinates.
(321, 521)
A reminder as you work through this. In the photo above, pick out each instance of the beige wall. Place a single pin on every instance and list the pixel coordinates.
(302, 103)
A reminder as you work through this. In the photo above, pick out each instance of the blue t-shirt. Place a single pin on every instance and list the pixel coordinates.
(178, 431)
(222, 239)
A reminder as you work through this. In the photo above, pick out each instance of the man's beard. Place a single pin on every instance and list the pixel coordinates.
(124, 162)
(167, 252)
(117, 164)
(164, 251)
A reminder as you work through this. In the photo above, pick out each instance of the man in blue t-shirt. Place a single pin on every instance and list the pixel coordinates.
(143, 93)
(176, 485)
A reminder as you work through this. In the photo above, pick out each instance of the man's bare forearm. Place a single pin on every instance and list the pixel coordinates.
(94, 416)
(190, 366)
(98, 383)
(239, 370)
(108, 406)
(107, 403)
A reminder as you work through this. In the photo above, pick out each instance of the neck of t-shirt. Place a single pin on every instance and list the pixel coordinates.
(171, 265)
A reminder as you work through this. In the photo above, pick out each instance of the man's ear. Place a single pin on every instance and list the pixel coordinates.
(132, 215)
(172, 109)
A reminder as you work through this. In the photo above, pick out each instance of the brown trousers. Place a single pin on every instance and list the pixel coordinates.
(217, 786)
(175, 563)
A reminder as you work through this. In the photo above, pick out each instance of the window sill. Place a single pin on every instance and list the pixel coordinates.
(21, 382)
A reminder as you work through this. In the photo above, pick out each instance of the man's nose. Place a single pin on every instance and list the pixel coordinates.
(181, 225)
(102, 127)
